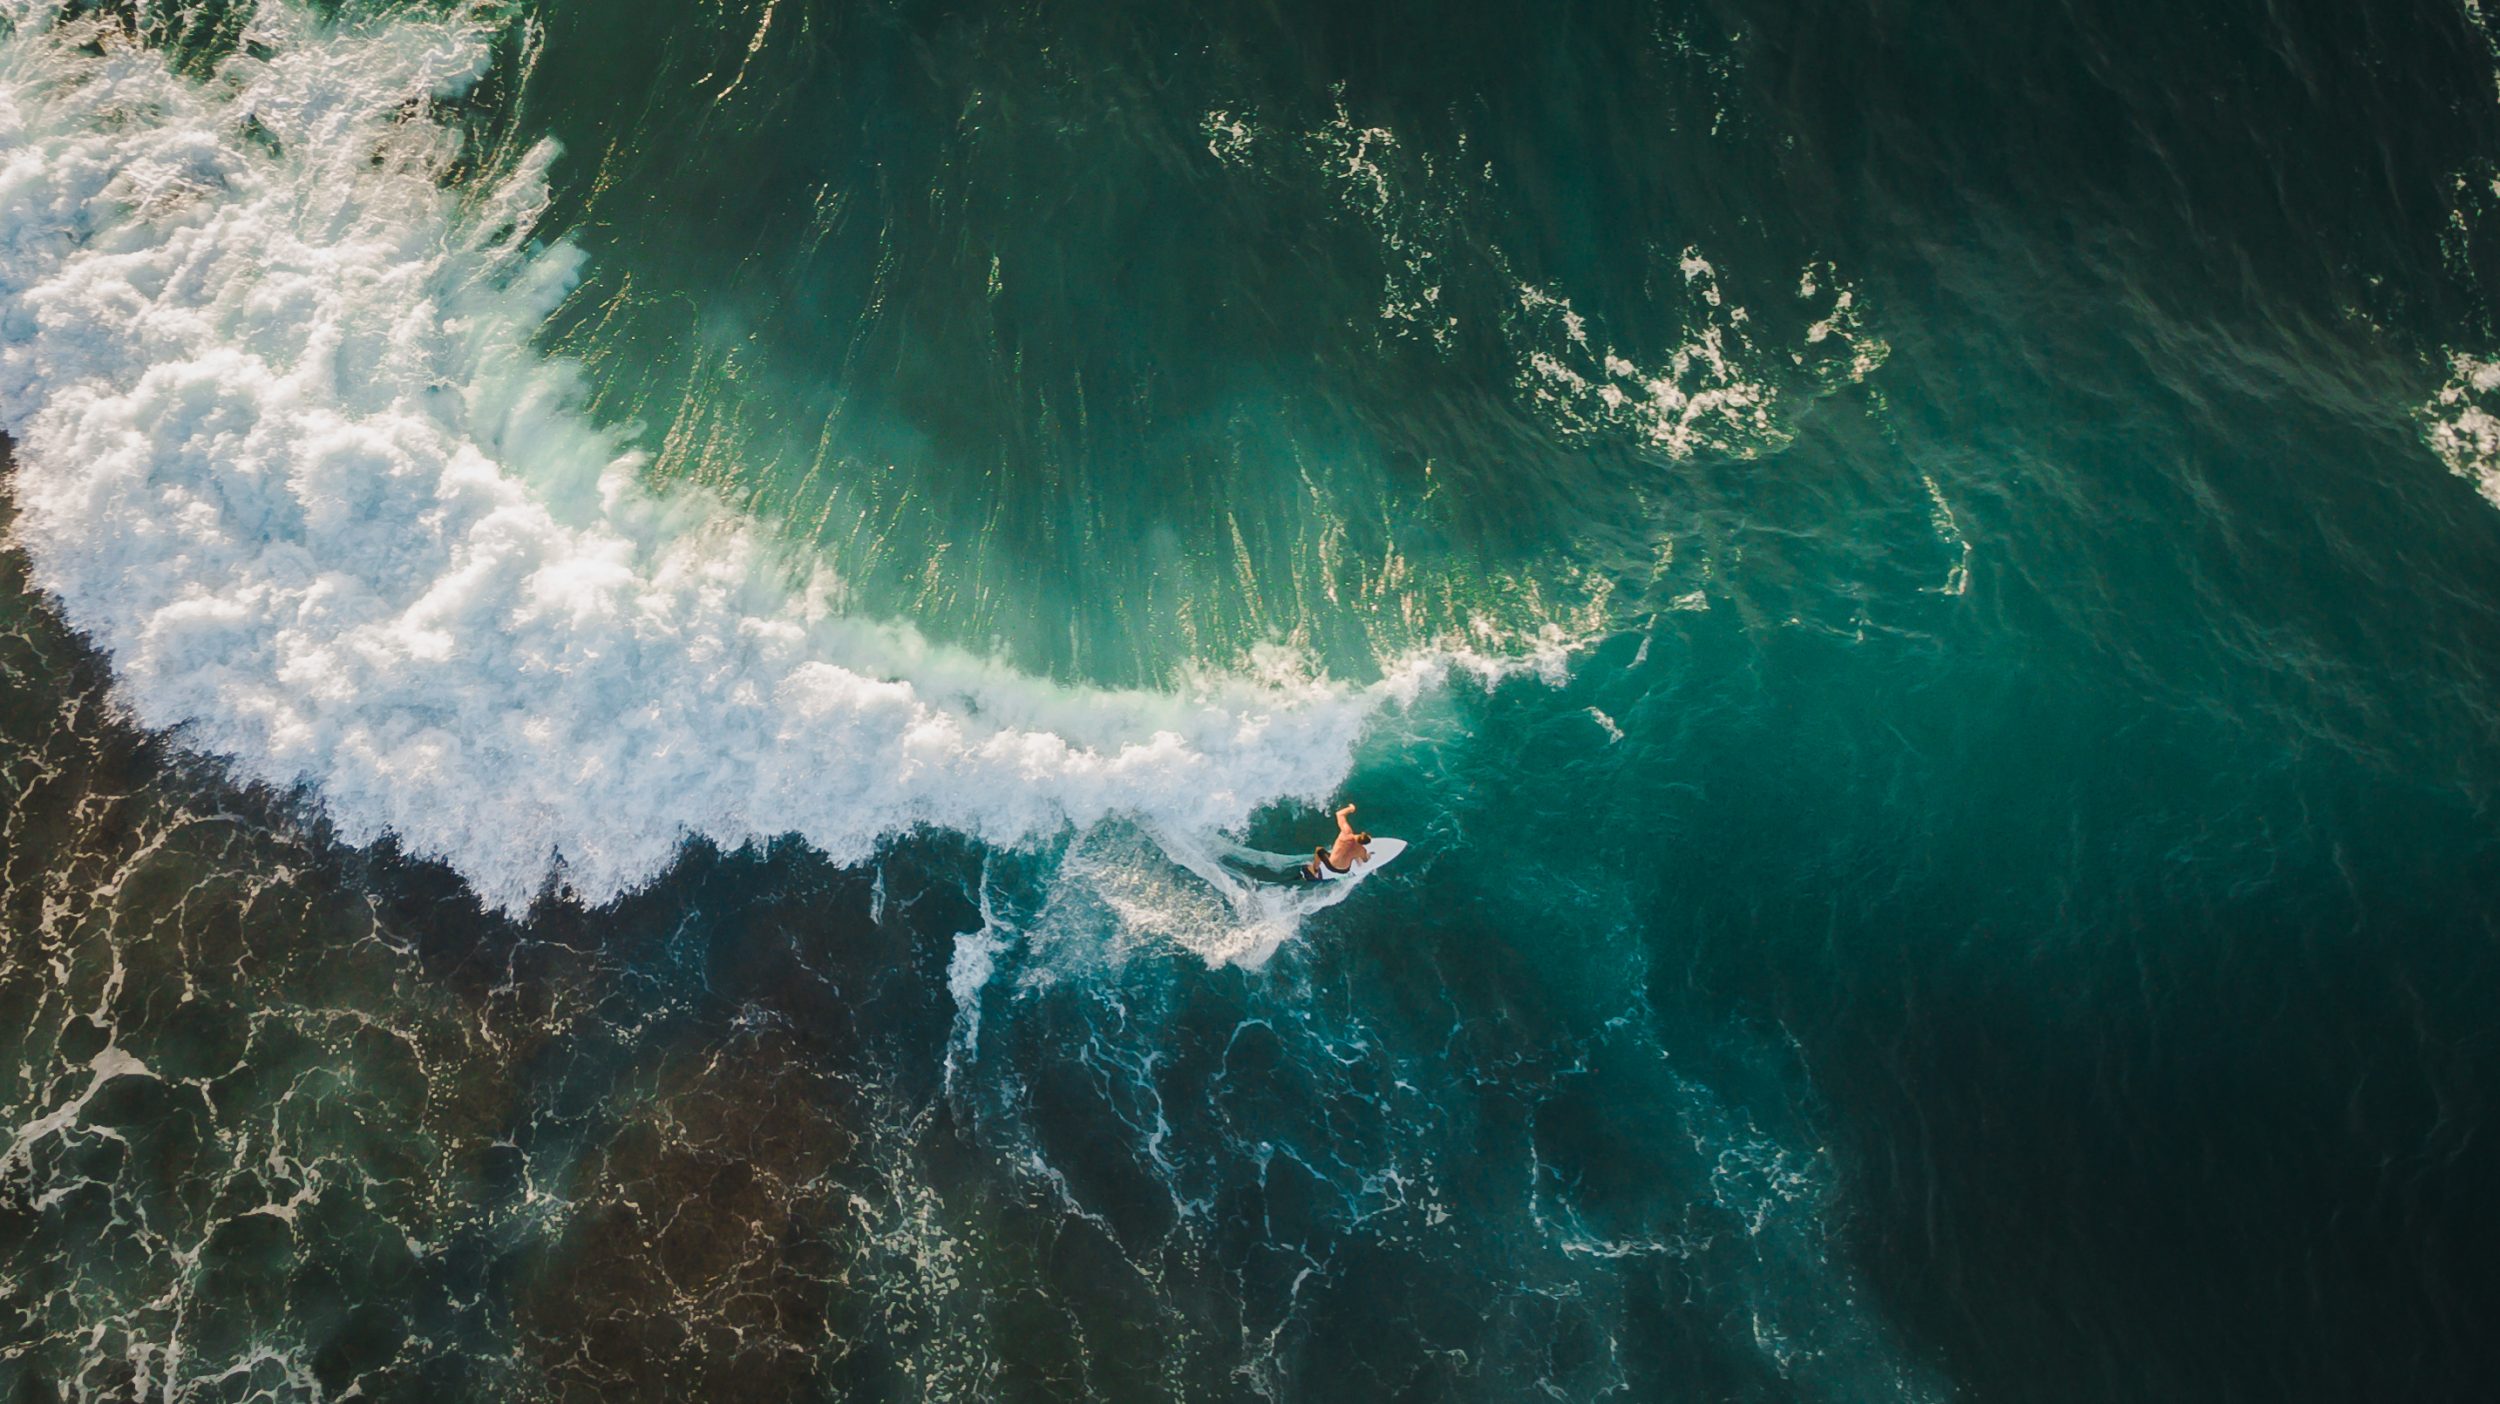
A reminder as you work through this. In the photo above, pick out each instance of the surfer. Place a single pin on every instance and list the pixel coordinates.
(1351, 848)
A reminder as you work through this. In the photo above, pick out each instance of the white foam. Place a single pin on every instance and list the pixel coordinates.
(1123, 888)
(1229, 137)
(2460, 427)
(1708, 395)
(967, 971)
(286, 454)
(1949, 530)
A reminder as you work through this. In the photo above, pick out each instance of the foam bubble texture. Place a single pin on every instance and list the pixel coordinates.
(2459, 424)
(287, 455)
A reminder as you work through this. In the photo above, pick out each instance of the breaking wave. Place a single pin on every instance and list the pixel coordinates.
(286, 452)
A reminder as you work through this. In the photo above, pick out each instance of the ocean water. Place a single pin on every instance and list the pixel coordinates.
(656, 653)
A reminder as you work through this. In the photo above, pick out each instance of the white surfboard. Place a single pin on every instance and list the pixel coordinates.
(1383, 849)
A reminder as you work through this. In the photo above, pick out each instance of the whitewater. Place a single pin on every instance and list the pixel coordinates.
(287, 454)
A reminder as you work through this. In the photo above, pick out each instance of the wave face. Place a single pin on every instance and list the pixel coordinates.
(1118, 375)
(288, 455)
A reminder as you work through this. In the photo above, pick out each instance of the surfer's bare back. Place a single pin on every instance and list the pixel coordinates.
(1349, 850)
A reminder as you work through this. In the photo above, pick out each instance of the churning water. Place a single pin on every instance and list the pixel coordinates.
(656, 651)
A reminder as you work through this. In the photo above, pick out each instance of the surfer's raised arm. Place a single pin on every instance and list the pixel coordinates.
(1351, 846)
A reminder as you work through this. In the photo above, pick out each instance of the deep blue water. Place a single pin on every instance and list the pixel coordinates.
(1957, 861)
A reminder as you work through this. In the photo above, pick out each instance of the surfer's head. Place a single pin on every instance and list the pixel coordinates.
(1363, 837)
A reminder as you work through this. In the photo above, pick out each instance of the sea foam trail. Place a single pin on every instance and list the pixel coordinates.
(287, 455)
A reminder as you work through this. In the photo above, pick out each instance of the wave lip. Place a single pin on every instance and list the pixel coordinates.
(287, 455)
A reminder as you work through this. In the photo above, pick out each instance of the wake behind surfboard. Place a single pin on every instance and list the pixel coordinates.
(1383, 850)
(1263, 890)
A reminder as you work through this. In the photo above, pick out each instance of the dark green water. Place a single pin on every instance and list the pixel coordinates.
(2000, 905)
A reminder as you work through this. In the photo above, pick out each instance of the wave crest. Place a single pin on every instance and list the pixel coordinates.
(287, 454)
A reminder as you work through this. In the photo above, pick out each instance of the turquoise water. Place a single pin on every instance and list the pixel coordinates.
(635, 633)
